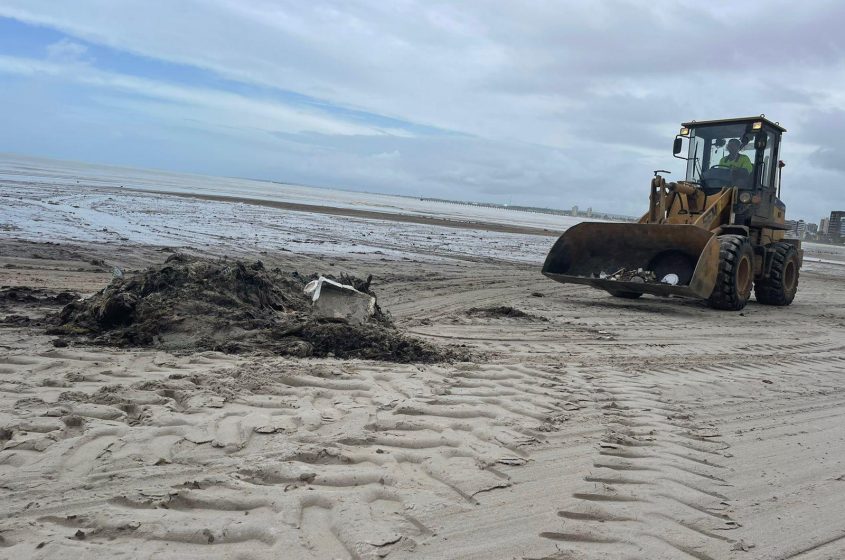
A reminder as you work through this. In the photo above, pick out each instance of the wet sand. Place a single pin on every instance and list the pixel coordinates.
(368, 214)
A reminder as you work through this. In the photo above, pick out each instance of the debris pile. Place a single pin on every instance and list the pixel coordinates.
(192, 304)
(637, 275)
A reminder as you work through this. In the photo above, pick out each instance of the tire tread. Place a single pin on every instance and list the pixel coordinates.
(725, 294)
(771, 291)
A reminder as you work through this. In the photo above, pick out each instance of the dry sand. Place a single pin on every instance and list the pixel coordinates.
(613, 429)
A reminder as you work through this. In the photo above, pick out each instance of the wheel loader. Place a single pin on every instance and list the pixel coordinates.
(714, 235)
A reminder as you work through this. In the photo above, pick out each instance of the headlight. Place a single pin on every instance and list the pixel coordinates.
(745, 197)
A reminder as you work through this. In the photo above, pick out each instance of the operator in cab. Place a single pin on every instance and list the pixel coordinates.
(736, 160)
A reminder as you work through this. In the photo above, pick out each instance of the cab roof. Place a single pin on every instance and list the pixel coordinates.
(738, 120)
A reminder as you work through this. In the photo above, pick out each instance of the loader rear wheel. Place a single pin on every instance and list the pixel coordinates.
(780, 287)
(626, 295)
(736, 273)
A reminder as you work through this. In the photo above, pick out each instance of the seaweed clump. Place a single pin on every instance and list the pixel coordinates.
(190, 304)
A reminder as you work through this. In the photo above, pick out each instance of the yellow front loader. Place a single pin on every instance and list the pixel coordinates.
(715, 235)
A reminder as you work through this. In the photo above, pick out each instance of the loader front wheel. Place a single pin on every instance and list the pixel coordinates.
(780, 287)
(626, 295)
(736, 273)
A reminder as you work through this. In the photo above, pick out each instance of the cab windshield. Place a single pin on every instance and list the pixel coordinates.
(724, 155)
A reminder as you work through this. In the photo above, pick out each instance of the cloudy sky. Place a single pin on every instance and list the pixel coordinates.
(549, 103)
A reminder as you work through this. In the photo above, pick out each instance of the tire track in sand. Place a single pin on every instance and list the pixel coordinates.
(657, 482)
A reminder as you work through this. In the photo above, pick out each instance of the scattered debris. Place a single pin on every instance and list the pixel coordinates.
(671, 279)
(628, 275)
(13, 300)
(498, 311)
(638, 275)
(192, 304)
(502, 311)
(24, 295)
(16, 320)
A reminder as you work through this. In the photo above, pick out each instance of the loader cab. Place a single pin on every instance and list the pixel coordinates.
(711, 165)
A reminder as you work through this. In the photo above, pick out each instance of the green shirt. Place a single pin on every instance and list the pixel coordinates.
(741, 162)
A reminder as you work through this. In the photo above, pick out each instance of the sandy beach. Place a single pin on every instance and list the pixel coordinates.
(591, 427)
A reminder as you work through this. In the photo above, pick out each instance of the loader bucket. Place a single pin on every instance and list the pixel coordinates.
(588, 249)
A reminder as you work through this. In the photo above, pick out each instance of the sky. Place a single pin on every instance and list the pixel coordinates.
(540, 102)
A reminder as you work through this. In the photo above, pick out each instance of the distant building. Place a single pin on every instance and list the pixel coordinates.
(812, 228)
(824, 225)
(590, 212)
(574, 211)
(836, 229)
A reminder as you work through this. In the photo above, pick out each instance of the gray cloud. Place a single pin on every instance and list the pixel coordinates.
(555, 103)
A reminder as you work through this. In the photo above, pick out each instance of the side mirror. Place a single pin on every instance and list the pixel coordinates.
(677, 146)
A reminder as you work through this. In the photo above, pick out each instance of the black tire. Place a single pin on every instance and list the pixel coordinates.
(626, 295)
(736, 273)
(782, 284)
